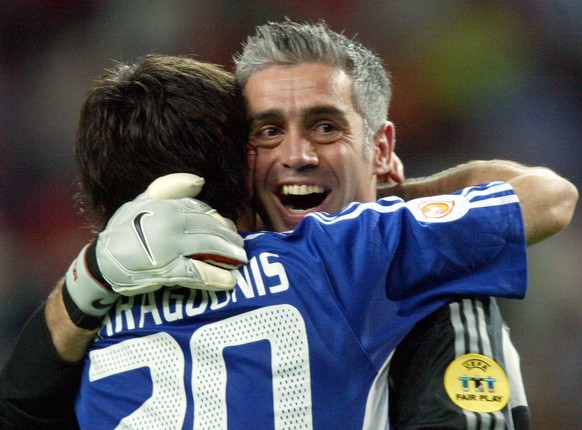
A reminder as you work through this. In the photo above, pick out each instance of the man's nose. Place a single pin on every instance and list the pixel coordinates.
(297, 152)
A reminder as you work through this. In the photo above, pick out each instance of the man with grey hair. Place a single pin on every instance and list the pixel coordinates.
(318, 106)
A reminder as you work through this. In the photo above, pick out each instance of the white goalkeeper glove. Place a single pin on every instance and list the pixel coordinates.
(161, 238)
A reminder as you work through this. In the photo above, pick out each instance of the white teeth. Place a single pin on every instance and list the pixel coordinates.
(301, 190)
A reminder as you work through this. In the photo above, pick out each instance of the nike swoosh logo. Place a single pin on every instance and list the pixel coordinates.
(99, 304)
(138, 227)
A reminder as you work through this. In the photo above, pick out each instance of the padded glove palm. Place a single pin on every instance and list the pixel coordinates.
(149, 243)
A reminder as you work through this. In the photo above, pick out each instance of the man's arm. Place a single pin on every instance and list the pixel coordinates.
(42, 376)
(70, 341)
(40, 380)
(547, 200)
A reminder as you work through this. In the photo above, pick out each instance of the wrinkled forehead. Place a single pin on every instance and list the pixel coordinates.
(293, 89)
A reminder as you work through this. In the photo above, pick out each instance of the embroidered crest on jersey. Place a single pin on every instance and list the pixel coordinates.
(477, 383)
(439, 208)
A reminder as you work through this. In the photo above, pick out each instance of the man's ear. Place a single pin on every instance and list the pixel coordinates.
(384, 141)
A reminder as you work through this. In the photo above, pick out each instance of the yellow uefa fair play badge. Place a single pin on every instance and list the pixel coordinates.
(477, 383)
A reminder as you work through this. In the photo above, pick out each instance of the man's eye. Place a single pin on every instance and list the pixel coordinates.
(266, 136)
(269, 132)
(326, 132)
(326, 128)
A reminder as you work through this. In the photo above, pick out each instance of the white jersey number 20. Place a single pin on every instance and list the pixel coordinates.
(282, 326)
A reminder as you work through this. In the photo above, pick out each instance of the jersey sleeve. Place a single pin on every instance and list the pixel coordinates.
(468, 243)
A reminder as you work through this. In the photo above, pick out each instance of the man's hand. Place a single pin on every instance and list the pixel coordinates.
(150, 243)
(162, 238)
(388, 184)
(395, 174)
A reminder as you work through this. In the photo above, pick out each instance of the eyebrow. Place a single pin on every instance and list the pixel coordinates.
(268, 115)
(323, 110)
(315, 111)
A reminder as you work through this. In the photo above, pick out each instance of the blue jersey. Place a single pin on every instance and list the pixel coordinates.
(305, 338)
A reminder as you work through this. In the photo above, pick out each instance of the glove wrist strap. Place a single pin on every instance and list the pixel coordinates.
(86, 295)
(80, 318)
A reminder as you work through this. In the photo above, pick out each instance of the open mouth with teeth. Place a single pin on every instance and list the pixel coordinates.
(302, 197)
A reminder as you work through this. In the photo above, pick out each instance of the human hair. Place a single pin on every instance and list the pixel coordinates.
(289, 43)
(161, 115)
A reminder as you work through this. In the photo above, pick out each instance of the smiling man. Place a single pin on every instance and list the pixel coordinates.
(318, 107)
(312, 148)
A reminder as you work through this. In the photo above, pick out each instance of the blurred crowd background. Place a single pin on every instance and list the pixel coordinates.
(472, 80)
